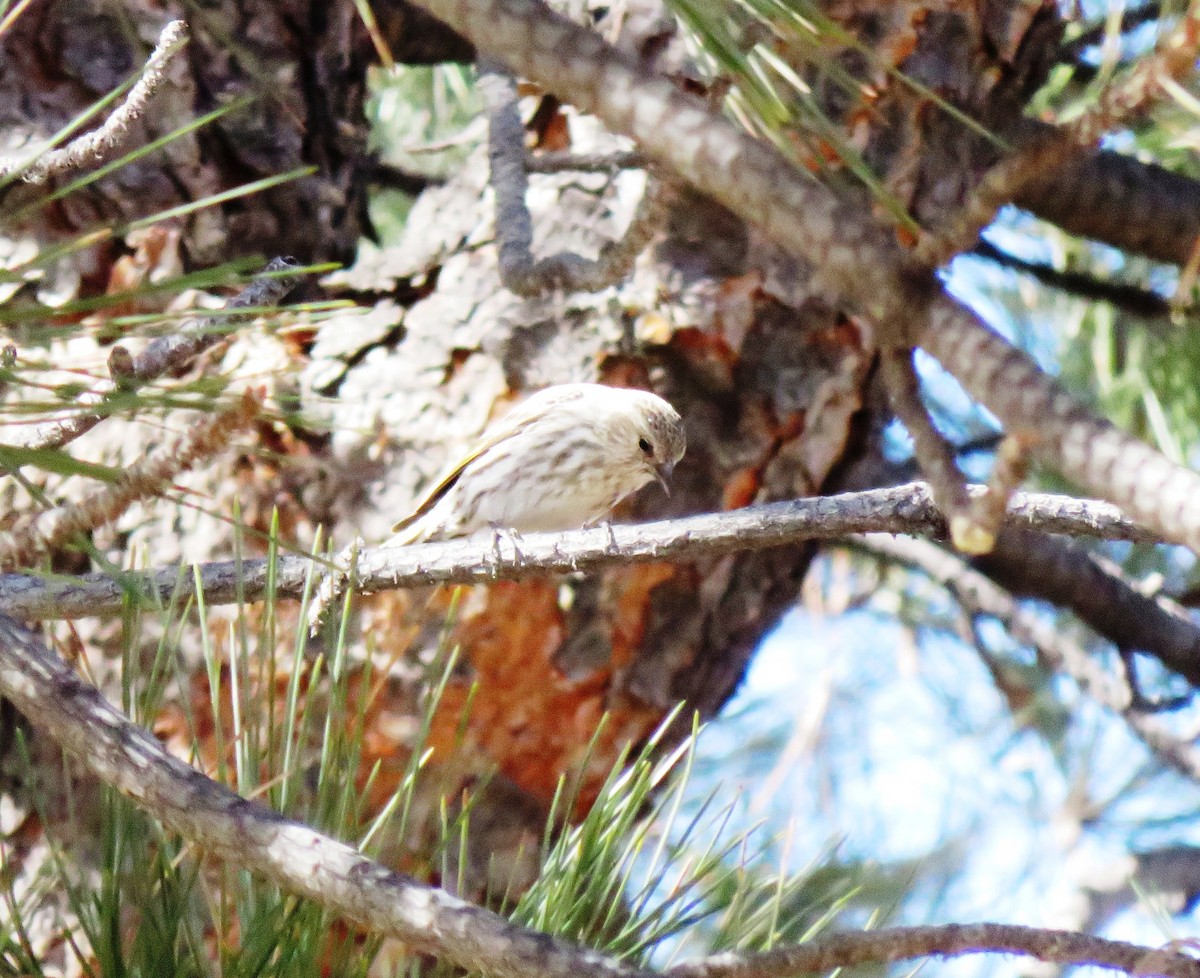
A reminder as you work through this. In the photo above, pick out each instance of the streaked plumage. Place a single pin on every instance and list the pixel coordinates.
(560, 460)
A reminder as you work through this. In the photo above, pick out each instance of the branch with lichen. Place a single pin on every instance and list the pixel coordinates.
(166, 354)
(900, 509)
(950, 940)
(510, 166)
(102, 143)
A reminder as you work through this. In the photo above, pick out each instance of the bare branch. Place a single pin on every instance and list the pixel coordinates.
(1095, 590)
(519, 272)
(1134, 299)
(982, 596)
(1119, 199)
(52, 527)
(430, 921)
(935, 456)
(1066, 573)
(823, 954)
(166, 354)
(102, 143)
(902, 509)
(559, 162)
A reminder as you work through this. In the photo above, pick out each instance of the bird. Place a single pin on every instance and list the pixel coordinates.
(560, 460)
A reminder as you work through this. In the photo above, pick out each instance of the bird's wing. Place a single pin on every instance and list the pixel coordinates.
(513, 423)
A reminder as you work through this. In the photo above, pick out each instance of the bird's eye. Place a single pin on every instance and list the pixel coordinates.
(645, 446)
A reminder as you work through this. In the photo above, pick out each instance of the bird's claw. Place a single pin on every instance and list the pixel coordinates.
(498, 535)
(612, 546)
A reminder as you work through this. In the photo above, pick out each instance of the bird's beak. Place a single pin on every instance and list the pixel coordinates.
(663, 474)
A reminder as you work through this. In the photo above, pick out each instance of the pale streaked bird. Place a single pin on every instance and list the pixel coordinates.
(559, 461)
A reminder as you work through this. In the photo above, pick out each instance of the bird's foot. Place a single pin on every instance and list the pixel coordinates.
(612, 546)
(499, 534)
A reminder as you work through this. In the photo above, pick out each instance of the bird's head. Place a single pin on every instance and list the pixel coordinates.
(652, 441)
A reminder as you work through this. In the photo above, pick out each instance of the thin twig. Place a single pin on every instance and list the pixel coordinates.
(166, 354)
(1130, 20)
(1141, 302)
(981, 595)
(901, 509)
(975, 520)
(935, 456)
(430, 921)
(148, 477)
(334, 583)
(986, 512)
(102, 143)
(519, 271)
(559, 162)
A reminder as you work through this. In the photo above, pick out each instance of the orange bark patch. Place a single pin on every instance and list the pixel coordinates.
(737, 307)
(741, 488)
(708, 354)
(634, 589)
(528, 718)
(624, 371)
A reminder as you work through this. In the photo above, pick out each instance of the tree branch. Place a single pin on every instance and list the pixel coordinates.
(256, 839)
(982, 596)
(1065, 573)
(1134, 299)
(1117, 199)
(903, 943)
(1069, 576)
(934, 454)
(902, 509)
(95, 147)
(166, 354)
(42, 532)
(564, 161)
(430, 921)
(1173, 58)
(519, 271)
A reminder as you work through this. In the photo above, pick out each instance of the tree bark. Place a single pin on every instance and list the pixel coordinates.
(301, 63)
